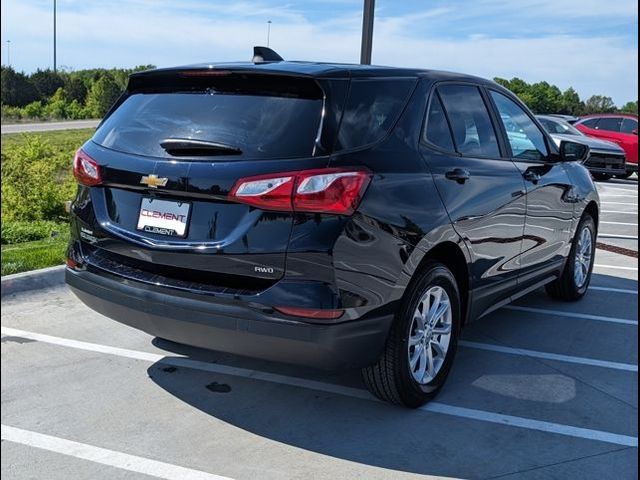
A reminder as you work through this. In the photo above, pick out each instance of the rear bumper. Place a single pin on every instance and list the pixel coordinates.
(238, 328)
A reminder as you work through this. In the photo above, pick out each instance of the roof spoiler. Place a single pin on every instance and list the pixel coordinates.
(265, 55)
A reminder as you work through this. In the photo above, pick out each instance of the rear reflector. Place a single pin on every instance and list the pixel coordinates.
(311, 313)
(329, 190)
(71, 263)
(86, 169)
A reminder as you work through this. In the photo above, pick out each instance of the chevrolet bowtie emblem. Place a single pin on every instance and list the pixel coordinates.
(154, 181)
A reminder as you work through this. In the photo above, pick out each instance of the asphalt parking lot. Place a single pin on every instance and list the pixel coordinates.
(540, 389)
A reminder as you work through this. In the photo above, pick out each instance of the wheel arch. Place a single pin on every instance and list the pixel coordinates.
(592, 209)
(453, 257)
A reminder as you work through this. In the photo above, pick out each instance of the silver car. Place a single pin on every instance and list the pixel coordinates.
(606, 160)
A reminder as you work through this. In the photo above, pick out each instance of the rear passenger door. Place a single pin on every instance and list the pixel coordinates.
(482, 190)
(550, 197)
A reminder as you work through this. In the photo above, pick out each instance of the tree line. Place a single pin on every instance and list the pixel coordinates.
(46, 94)
(544, 98)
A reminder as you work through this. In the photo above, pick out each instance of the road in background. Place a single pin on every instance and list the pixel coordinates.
(540, 389)
(48, 126)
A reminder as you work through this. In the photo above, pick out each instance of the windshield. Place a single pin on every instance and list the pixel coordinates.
(559, 126)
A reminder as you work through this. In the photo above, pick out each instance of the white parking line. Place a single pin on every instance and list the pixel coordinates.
(611, 195)
(615, 267)
(549, 356)
(531, 424)
(620, 188)
(619, 211)
(562, 313)
(104, 456)
(619, 223)
(615, 235)
(434, 407)
(614, 290)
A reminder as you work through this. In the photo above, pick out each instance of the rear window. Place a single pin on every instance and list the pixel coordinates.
(371, 110)
(259, 124)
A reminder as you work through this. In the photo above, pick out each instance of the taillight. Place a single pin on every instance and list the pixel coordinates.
(86, 169)
(329, 190)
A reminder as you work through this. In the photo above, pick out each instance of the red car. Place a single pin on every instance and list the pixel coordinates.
(620, 128)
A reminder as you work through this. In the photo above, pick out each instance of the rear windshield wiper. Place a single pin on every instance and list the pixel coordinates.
(188, 147)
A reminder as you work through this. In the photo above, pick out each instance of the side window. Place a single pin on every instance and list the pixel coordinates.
(629, 125)
(526, 139)
(473, 131)
(610, 124)
(437, 130)
(371, 110)
(591, 123)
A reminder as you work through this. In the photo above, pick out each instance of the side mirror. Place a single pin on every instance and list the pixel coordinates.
(573, 151)
(635, 132)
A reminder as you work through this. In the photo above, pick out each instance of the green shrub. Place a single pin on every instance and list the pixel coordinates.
(11, 113)
(57, 105)
(36, 180)
(102, 95)
(33, 110)
(21, 231)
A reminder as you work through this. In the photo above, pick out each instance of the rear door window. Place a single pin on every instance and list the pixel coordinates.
(260, 124)
(525, 138)
(610, 124)
(473, 131)
(371, 110)
(437, 130)
(629, 125)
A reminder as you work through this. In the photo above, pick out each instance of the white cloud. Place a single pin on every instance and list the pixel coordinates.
(128, 33)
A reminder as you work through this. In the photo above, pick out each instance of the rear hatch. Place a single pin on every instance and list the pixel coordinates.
(169, 154)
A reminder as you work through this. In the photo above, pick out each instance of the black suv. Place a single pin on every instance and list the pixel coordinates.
(330, 215)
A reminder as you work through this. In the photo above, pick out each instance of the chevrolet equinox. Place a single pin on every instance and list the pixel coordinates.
(337, 216)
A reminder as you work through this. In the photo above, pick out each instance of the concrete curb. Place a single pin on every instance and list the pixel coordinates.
(34, 280)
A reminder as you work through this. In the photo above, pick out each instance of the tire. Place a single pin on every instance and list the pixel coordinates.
(569, 287)
(602, 177)
(624, 176)
(392, 378)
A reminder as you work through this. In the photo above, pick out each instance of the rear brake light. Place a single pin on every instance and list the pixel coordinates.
(329, 190)
(86, 169)
(71, 263)
(319, 314)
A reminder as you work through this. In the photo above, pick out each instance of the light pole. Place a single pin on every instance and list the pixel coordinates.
(8, 53)
(54, 37)
(367, 32)
(268, 31)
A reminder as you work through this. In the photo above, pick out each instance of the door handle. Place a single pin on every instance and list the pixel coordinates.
(459, 175)
(531, 176)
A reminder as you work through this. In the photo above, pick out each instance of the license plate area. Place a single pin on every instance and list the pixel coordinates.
(164, 217)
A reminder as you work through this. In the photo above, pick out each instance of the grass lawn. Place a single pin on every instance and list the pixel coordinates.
(22, 257)
(32, 255)
(61, 140)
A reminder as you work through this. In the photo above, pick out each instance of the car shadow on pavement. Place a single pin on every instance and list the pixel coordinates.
(381, 435)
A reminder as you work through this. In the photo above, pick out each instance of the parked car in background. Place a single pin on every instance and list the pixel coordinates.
(330, 215)
(606, 159)
(620, 128)
(567, 118)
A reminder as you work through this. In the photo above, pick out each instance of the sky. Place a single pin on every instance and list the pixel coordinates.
(590, 45)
